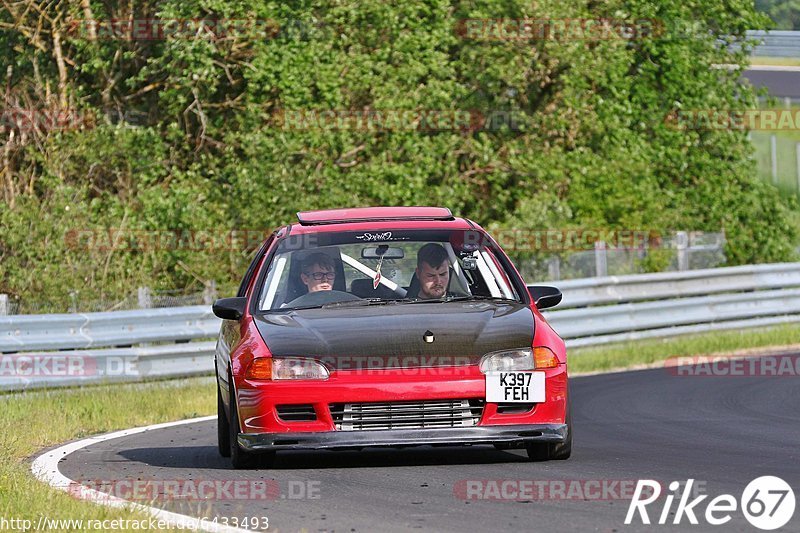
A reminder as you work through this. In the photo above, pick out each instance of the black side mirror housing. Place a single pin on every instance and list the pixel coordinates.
(545, 296)
(230, 308)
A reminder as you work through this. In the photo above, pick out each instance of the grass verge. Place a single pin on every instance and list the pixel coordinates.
(775, 61)
(35, 420)
(647, 352)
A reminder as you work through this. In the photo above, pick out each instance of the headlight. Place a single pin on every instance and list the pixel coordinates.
(298, 368)
(507, 361)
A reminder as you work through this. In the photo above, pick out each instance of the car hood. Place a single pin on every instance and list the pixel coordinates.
(393, 335)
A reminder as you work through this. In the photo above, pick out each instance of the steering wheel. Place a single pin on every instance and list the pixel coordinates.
(322, 298)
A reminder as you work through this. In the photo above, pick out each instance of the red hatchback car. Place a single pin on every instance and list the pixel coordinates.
(387, 326)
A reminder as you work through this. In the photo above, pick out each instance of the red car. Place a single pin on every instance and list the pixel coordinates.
(387, 326)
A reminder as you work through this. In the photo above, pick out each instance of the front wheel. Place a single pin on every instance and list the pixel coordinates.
(558, 451)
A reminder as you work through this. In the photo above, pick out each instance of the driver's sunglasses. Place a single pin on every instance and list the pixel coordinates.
(319, 276)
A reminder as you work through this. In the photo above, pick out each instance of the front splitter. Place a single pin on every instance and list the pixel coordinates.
(512, 436)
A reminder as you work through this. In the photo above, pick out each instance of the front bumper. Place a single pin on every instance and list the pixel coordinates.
(258, 401)
(511, 435)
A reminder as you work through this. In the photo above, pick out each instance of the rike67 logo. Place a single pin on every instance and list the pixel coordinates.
(767, 503)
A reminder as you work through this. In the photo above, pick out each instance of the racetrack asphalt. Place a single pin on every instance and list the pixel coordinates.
(780, 82)
(721, 431)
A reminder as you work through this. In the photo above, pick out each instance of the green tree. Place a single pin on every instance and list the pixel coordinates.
(785, 14)
(185, 132)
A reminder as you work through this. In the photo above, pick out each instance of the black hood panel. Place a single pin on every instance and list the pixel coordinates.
(462, 332)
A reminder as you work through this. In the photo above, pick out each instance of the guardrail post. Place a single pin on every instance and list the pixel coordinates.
(600, 259)
(682, 244)
(210, 292)
(773, 154)
(145, 298)
(554, 268)
(4, 307)
(73, 302)
(797, 156)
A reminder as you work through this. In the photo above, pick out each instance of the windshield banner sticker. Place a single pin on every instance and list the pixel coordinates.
(385, 236)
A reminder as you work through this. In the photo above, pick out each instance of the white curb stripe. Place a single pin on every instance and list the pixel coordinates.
(774, 68)
(45, 468)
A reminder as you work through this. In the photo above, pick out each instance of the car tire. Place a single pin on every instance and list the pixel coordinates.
(561, 451)
(558, 451)
(538, 451)
(223, 427)
(241, 458)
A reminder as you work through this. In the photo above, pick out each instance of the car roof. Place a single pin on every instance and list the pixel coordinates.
(376, 218)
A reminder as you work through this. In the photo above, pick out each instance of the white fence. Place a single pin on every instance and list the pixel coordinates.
(686, 251)
(594, 311)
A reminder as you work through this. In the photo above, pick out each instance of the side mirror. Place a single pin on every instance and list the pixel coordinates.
(229, 308)
(545, 296)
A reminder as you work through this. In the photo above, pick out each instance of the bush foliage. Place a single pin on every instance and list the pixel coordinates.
(183, 132)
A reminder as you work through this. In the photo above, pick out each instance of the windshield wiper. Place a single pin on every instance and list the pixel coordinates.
(300, 308)
(363, 303)
(383, 301)
(475, 298)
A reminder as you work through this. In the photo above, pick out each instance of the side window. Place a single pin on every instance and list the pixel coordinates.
(251, 270)
(501, 276)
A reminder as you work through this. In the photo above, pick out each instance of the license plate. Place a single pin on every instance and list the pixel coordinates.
(515, 387)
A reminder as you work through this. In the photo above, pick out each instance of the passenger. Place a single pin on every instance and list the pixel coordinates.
(433, 271)
(318, 271)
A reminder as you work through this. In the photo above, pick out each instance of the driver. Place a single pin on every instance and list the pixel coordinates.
(318, 272)
(433, 271)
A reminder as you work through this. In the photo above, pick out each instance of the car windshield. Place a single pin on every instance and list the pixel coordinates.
(333, 270)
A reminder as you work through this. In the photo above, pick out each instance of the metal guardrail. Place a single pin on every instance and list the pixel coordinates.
(776, 43)
(662, 318)
(112, 365)
(113, 328)
(676, 303)
(638, 287)
(594, 311)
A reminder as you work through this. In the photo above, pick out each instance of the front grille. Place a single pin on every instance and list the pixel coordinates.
(296, 413)
(406, 415)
